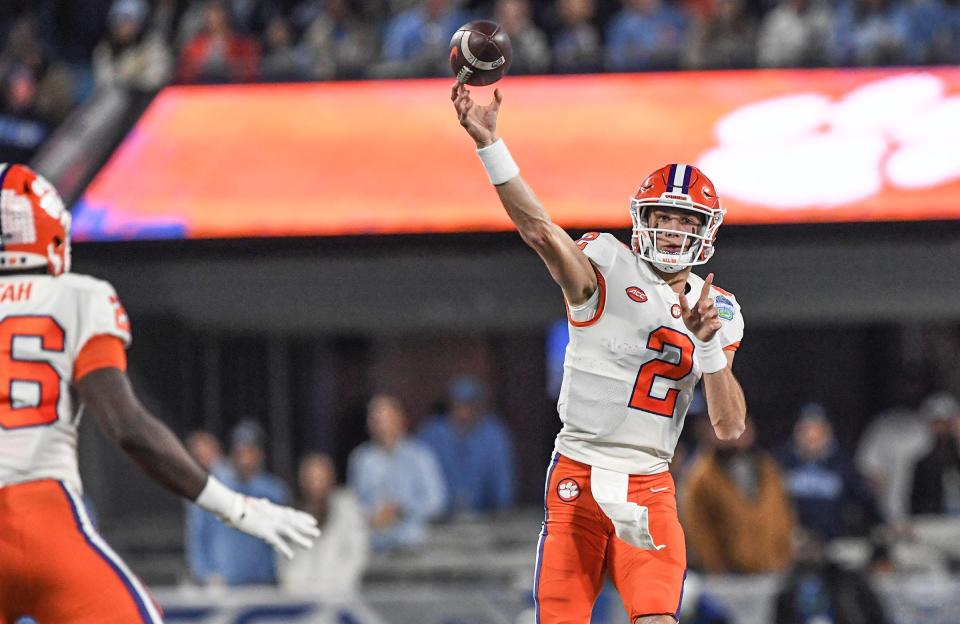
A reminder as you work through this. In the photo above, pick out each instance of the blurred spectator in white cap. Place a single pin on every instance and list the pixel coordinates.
(936, 475)
(474, 449)
(131, 56)
(335, 564)
(830, 499)
(396, 478)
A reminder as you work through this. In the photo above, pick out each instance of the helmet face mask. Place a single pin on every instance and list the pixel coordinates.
(675, 187)
(35, 224)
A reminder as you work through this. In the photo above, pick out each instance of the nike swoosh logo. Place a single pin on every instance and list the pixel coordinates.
(655, 490)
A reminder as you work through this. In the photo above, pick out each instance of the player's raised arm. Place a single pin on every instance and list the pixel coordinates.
(569, 267)
(152, 446)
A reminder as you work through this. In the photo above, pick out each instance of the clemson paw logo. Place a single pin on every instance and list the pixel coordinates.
(568, 490)
(893, 133)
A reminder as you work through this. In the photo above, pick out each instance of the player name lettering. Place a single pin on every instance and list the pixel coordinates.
(15, 293)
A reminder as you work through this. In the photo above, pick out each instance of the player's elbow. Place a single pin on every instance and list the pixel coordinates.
(728, 431)
(537, 237)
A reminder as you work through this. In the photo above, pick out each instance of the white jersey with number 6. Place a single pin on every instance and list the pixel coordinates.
(45, 322)
(629, 370)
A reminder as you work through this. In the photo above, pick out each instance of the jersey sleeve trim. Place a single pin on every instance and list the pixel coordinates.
(732, 346)
(101, 351)
(602, 287)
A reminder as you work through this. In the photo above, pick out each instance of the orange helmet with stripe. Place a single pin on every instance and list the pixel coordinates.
(34, 225)
(676, 186)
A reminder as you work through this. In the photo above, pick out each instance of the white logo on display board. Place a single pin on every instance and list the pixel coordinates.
(809, 150)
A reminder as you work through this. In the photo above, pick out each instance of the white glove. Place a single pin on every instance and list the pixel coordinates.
(281, 527)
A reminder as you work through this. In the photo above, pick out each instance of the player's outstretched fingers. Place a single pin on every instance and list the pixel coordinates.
(705, 291)
(280, 546)
(455, 91)
(684, 306)
(497, 98)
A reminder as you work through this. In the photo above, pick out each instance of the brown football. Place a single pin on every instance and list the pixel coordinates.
(480, 53)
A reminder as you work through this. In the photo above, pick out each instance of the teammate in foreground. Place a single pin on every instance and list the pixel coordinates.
(637, 349)
(64, 335)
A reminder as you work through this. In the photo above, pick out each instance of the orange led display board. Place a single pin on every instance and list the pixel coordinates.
(388, 157)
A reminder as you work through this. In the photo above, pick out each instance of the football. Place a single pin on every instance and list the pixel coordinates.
(480, 53)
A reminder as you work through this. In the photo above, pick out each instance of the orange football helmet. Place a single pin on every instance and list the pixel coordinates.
(34, 225)
(676, 186)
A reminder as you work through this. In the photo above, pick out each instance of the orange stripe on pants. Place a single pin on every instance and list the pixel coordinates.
(578, 546)
(54, 571)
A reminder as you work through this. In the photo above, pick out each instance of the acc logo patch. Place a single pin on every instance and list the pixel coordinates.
(725, 308)
(568, 490)
(636, 294)
(676, 310)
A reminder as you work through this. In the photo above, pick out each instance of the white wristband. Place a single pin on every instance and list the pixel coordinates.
(498, 162)
(710, 355)
(220, 500)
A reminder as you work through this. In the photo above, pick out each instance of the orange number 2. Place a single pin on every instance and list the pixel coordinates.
(658, 341)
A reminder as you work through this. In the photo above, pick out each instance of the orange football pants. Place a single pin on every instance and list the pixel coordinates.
(578, 546)
(55, 567)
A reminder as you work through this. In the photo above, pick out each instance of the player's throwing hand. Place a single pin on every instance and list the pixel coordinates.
(479, 121)
(702, 320)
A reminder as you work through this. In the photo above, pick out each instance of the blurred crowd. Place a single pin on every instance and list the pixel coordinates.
(458, 463)
(745, 509)
(56, 53)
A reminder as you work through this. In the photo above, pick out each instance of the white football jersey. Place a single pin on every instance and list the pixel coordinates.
(44, 323)
(629, 371)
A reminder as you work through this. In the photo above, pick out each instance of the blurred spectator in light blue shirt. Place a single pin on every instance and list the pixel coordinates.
(415, 41)
(237, 558)
(474, 449)
(205, 448)
(396, 478)
(646, 34)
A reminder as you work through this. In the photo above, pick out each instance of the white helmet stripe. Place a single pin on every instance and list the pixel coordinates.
(472, 58)
(679, 176)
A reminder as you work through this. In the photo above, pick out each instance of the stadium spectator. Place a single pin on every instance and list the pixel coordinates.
(644, 35)
(820, 591)
(865, 32)
(337, 41)
(891, 445)
(218, 54)
(237, 558)
(737, 515)
(795, 33)
(576, 42)
(279, 53)
(414, 39)
(205, 448)
(335, 564)
(531, 53)
(936, 476)
(726, 39)
(132, 57)
(474, 449)
(829, 497)
(396, 478)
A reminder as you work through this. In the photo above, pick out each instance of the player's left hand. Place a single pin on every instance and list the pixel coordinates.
(702, 319)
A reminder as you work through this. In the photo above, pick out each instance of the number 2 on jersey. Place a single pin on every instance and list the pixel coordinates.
(15, 413)
(642, 398)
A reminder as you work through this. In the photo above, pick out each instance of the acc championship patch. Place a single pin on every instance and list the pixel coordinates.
(725, 308)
